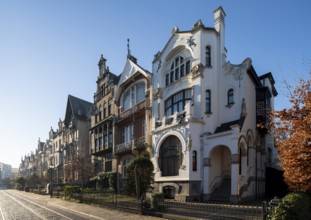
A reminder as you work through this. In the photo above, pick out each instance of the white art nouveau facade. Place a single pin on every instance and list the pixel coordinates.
(205, 111)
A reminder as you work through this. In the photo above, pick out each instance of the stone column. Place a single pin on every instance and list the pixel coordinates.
(206, 171)
(234, 178)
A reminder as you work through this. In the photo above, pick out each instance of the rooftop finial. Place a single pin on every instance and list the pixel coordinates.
(128, 48)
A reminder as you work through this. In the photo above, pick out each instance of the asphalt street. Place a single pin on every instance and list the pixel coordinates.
(19, 205)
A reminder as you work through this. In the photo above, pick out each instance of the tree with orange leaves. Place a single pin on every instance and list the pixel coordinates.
(292, 131)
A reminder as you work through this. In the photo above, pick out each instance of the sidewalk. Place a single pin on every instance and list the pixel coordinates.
(87, 210)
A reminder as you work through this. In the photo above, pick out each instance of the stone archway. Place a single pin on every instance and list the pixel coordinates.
(220, 171)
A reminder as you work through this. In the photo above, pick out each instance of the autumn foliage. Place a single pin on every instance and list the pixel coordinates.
(292, 130)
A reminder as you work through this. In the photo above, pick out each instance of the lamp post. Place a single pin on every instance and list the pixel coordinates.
(51, 167)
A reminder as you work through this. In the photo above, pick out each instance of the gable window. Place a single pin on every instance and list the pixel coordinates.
(208, 101)
(230, 97)
(208, 56)
(134, 95)
(179, 68)
(177, 102)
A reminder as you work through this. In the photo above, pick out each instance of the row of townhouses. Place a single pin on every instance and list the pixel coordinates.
(195, 115)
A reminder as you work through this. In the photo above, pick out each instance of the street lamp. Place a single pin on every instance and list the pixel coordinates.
(50, 187)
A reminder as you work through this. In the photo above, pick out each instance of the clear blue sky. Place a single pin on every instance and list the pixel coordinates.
(49, 49)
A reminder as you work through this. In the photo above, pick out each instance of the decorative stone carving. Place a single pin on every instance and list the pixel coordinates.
(238, 71)
(197, 25)
(157, 93)
(189, 142)
(196, 70)
(175, 30)
(191, 42)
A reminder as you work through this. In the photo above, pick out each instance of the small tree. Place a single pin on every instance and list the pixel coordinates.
(292, 130)
(20, 182)
(140, 176)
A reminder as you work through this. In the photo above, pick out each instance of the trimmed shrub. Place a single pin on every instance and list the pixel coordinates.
(69, 191)
(294, 206)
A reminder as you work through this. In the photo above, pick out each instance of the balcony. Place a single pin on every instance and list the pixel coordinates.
(101, 150)
(124, 147)
(137, 143)
(135, 110)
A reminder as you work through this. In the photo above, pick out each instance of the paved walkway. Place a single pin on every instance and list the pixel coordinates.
(90, 210)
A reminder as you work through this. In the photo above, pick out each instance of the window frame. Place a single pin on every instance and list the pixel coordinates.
(177, 101)
(208, 56)
(230, 97)
(179, 68)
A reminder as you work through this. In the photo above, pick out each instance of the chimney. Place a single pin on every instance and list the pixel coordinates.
(219, 19)
(219, 25)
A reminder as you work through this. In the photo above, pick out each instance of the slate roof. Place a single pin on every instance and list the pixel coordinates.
(77, 108)
(227, 126)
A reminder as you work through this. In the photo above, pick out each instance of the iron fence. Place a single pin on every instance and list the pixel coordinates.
(169, 209)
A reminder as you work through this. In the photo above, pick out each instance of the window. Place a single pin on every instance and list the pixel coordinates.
(208, 56)
(170, 156)
(230, 97)
(177, 102)
(208, 101)
(140, 92)
(134, 95)
(108, 162)
(128, 133)
(179, 68)
(127, 101)
(109, 108)
(125, 163)
(194, 161)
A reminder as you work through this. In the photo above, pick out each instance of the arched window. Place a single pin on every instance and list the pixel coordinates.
(194, 161)
(179, 68)
(208, 56)
(170, 156)
(208, 101)
(230, 97)
(177, 102)
(134, 95)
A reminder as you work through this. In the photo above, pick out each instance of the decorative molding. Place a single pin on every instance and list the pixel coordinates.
(239, 70)
(191, 42)
(175, 30)
(157, 93)
(197, 70)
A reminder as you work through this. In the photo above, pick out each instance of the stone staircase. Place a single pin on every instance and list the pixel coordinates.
(223, 192)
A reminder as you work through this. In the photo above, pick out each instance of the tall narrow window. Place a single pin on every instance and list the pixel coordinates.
(208, 56)
(230, 97)
(127, 101)
(140, 92)
(170, 156)
(208, 101)
(194, 161)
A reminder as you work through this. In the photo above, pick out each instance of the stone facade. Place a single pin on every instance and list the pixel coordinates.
(204, 117)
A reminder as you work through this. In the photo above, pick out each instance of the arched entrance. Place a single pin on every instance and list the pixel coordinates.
(220, 173)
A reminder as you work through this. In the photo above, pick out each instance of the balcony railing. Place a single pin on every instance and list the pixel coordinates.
(134, 143)
(177, 118)
(124, 147)
(131, 111)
